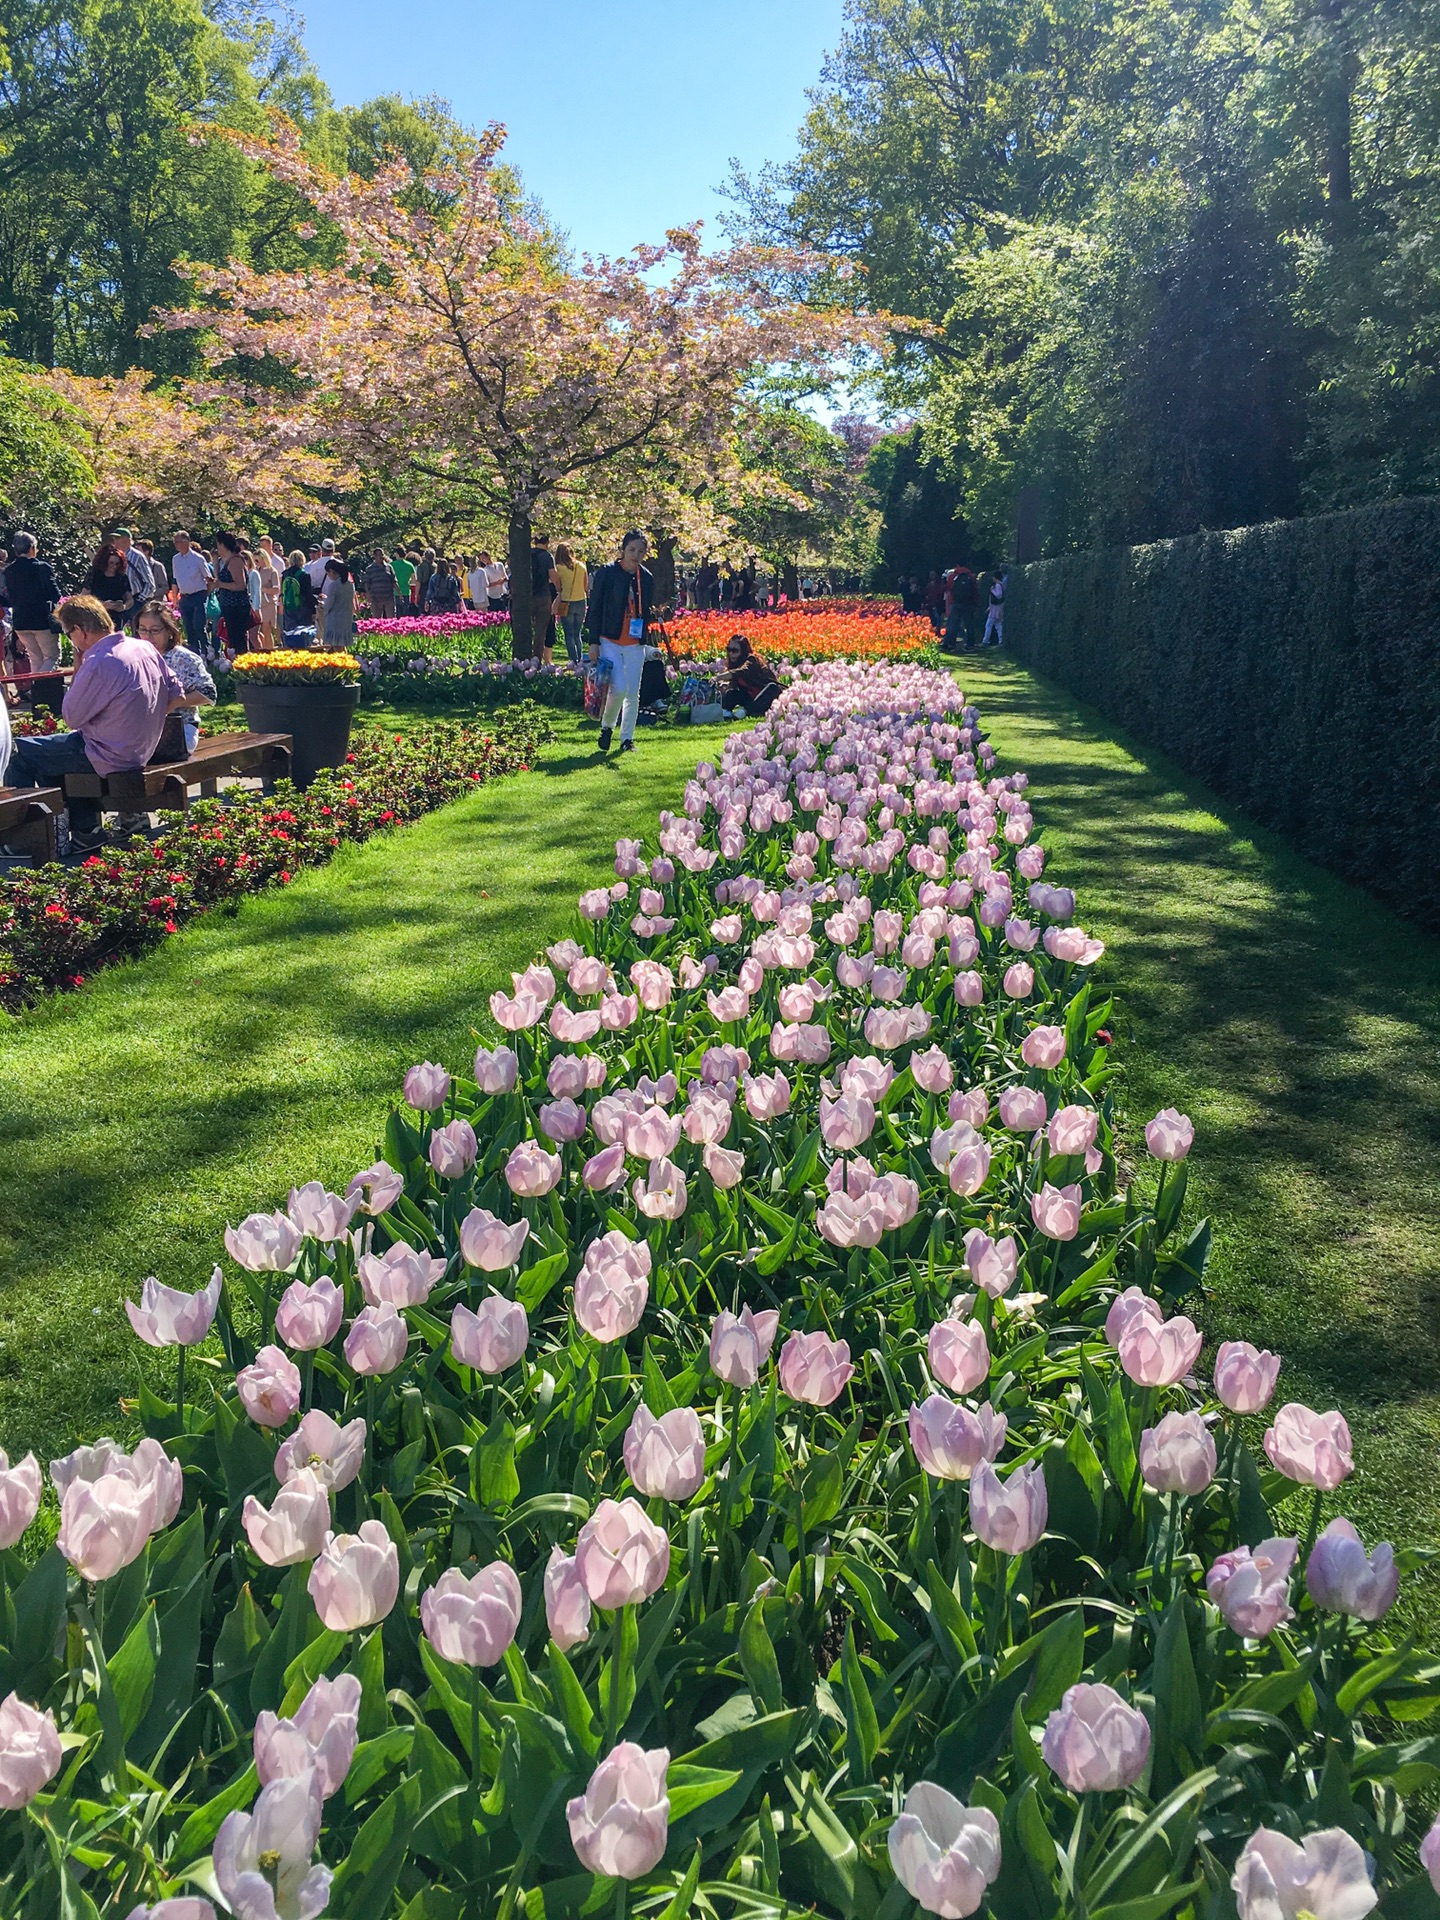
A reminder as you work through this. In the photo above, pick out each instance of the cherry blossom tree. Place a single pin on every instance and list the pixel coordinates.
(447, 345)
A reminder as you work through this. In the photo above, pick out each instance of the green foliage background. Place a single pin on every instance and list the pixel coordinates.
(1294, 667)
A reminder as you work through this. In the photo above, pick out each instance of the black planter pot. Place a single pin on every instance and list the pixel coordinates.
(316, 717)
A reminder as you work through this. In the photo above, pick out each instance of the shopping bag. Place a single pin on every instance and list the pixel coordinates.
(597, 687)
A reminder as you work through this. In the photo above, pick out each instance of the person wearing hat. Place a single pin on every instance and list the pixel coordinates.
(140, 579)
(321, 554)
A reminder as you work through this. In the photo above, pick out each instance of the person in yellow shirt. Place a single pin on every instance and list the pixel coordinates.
(570, 606)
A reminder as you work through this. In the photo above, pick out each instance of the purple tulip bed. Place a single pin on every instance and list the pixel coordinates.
(743, 1449)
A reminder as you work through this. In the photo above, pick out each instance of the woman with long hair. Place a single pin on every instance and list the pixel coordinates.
(232, 589)
(622, 603)
(107, 581)
(570, 605)
(337, 604)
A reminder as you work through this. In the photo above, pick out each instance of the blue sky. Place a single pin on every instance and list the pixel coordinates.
(622, 118)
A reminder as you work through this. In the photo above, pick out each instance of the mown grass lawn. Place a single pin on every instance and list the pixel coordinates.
(1294, 1019)
(262, 1048)
(1298, 1023)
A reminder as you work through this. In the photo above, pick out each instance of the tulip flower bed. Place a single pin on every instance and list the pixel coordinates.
(815, 630)
(739, 1452)
(445, 680)
(58, 925)
(406, 629)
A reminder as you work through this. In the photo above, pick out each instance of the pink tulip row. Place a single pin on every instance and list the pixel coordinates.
(852, 890)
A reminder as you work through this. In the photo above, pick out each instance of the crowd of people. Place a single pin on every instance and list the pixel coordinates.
(966, 609)
(145, 636)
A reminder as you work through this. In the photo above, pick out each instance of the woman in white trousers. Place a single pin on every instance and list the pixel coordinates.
(622, 603)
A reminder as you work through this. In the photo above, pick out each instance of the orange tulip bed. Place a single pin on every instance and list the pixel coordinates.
(818, 632)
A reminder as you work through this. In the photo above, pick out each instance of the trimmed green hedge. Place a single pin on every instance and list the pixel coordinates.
(1294, 667)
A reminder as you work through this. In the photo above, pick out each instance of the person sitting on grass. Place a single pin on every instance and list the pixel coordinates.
(747, 683)
(115, 709)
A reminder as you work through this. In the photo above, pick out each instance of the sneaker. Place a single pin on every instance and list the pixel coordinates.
(86, 842)
(132, 823)
(606, 735)
(627, 746)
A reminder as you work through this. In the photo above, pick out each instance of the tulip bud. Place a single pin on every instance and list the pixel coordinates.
(1009, 1515)
(296, 1524)
(492, 1338)
(269, 1387)
(665, 1456)
(1170, 1135)
(619, 1826)
(320, 1735)
(356, 1579)
(814, 1368)
(959, 1354)
(1056, 1211)
(740, 1346)
(490, 1244)
(621, 1556)
(472, 1621)
(1252, 1588)
(1245, 1377)
(567, 1604)
(1094, 1743)
(377, 1340)
(1341, 1578)
(309, 1317)
(427, 1087)
(30, 1753)
(1311, 1448)
(453, 1149)
(1178, 1456)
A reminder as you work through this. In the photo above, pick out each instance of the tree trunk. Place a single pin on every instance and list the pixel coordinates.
(664, 572)
(518, 557)
(1337, 110)
(790, 580)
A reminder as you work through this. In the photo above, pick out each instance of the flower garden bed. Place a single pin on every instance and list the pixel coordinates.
(740, 1452)
(814, 630)
(58, 925)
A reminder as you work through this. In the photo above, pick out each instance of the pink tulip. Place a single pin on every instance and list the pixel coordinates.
(1019, 981)
(1022, 1109)
(567, 1077)
(1430, 1854)
(517, 1012)
(1341, 1578)
(867, 1078)
(944, 1854)
(1327, 1876)
(590, 976)
(167, 1318)
(993, 1264)
(496, 1071)
(1056, 1211)
(1009, 1515)
(1178, 1456)
(932, 1070)
(562, 1120)
(1170, 1135)
(1131, 1305)
(619, 1011)
(969, 1166)
(377, 1340)
(471, 1622)
(708, 1117)
(295, 1525)
(795, 1003)
(847, 1222)
(729, 1004)
(309, 1316)
(488, 1243)
(1073, 945)
(612, 1286)
(950, 1441)
(959, 1354)
(1159, 1353)
(888, 984)
(653, 983)
(427, 1087)
(332, 1452)
(1073, 1130)
(530, 1171)
(661, 1193)
(20, 1488)
(30, 1752)
(651, 1134)
(969, 988)
(621, 1556)
(452, 1149)
(854, 971)
(320, 1215)
(1043, 1047)
(105, 1524)
(767, 1095)
(847, 1122)
(1244, 1376)
(567, 1604)
(269, 1387)
(399, 1277)
(575, 1029)
(356, 1579)
(972, 1107)
(604, 1169)
(619, 1826)
(665, 1456)
(1252, 1589)
(725, 1168)
(320, 1736)
(493, 1337)
(1311, 1448)
(814, 1368)
(1094, 1743)
(740, 1345)
(376, 1188)
(264, 1243)
(899, 1196)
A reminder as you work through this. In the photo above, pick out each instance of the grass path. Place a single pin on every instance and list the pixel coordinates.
(1298, 1022)
(264, 1048)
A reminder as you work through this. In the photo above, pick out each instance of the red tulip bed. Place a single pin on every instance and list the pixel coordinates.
(58, 925)
(741, 1449)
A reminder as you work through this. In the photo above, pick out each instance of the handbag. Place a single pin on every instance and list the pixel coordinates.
(597, 687)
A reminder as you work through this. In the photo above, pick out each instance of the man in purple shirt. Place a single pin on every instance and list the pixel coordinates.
(115, 709)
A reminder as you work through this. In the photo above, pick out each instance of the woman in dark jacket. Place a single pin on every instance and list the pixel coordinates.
(622, 603)
(108, 582)
(442, 594)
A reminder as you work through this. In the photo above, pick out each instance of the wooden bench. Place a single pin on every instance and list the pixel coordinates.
(166, 785)
(28, 817)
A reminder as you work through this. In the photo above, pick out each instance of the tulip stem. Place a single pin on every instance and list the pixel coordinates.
(180, 1389)
(265, 1310)
(622, 1888)
(617, 1678)
(1314, 1527)
(475, 1740)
